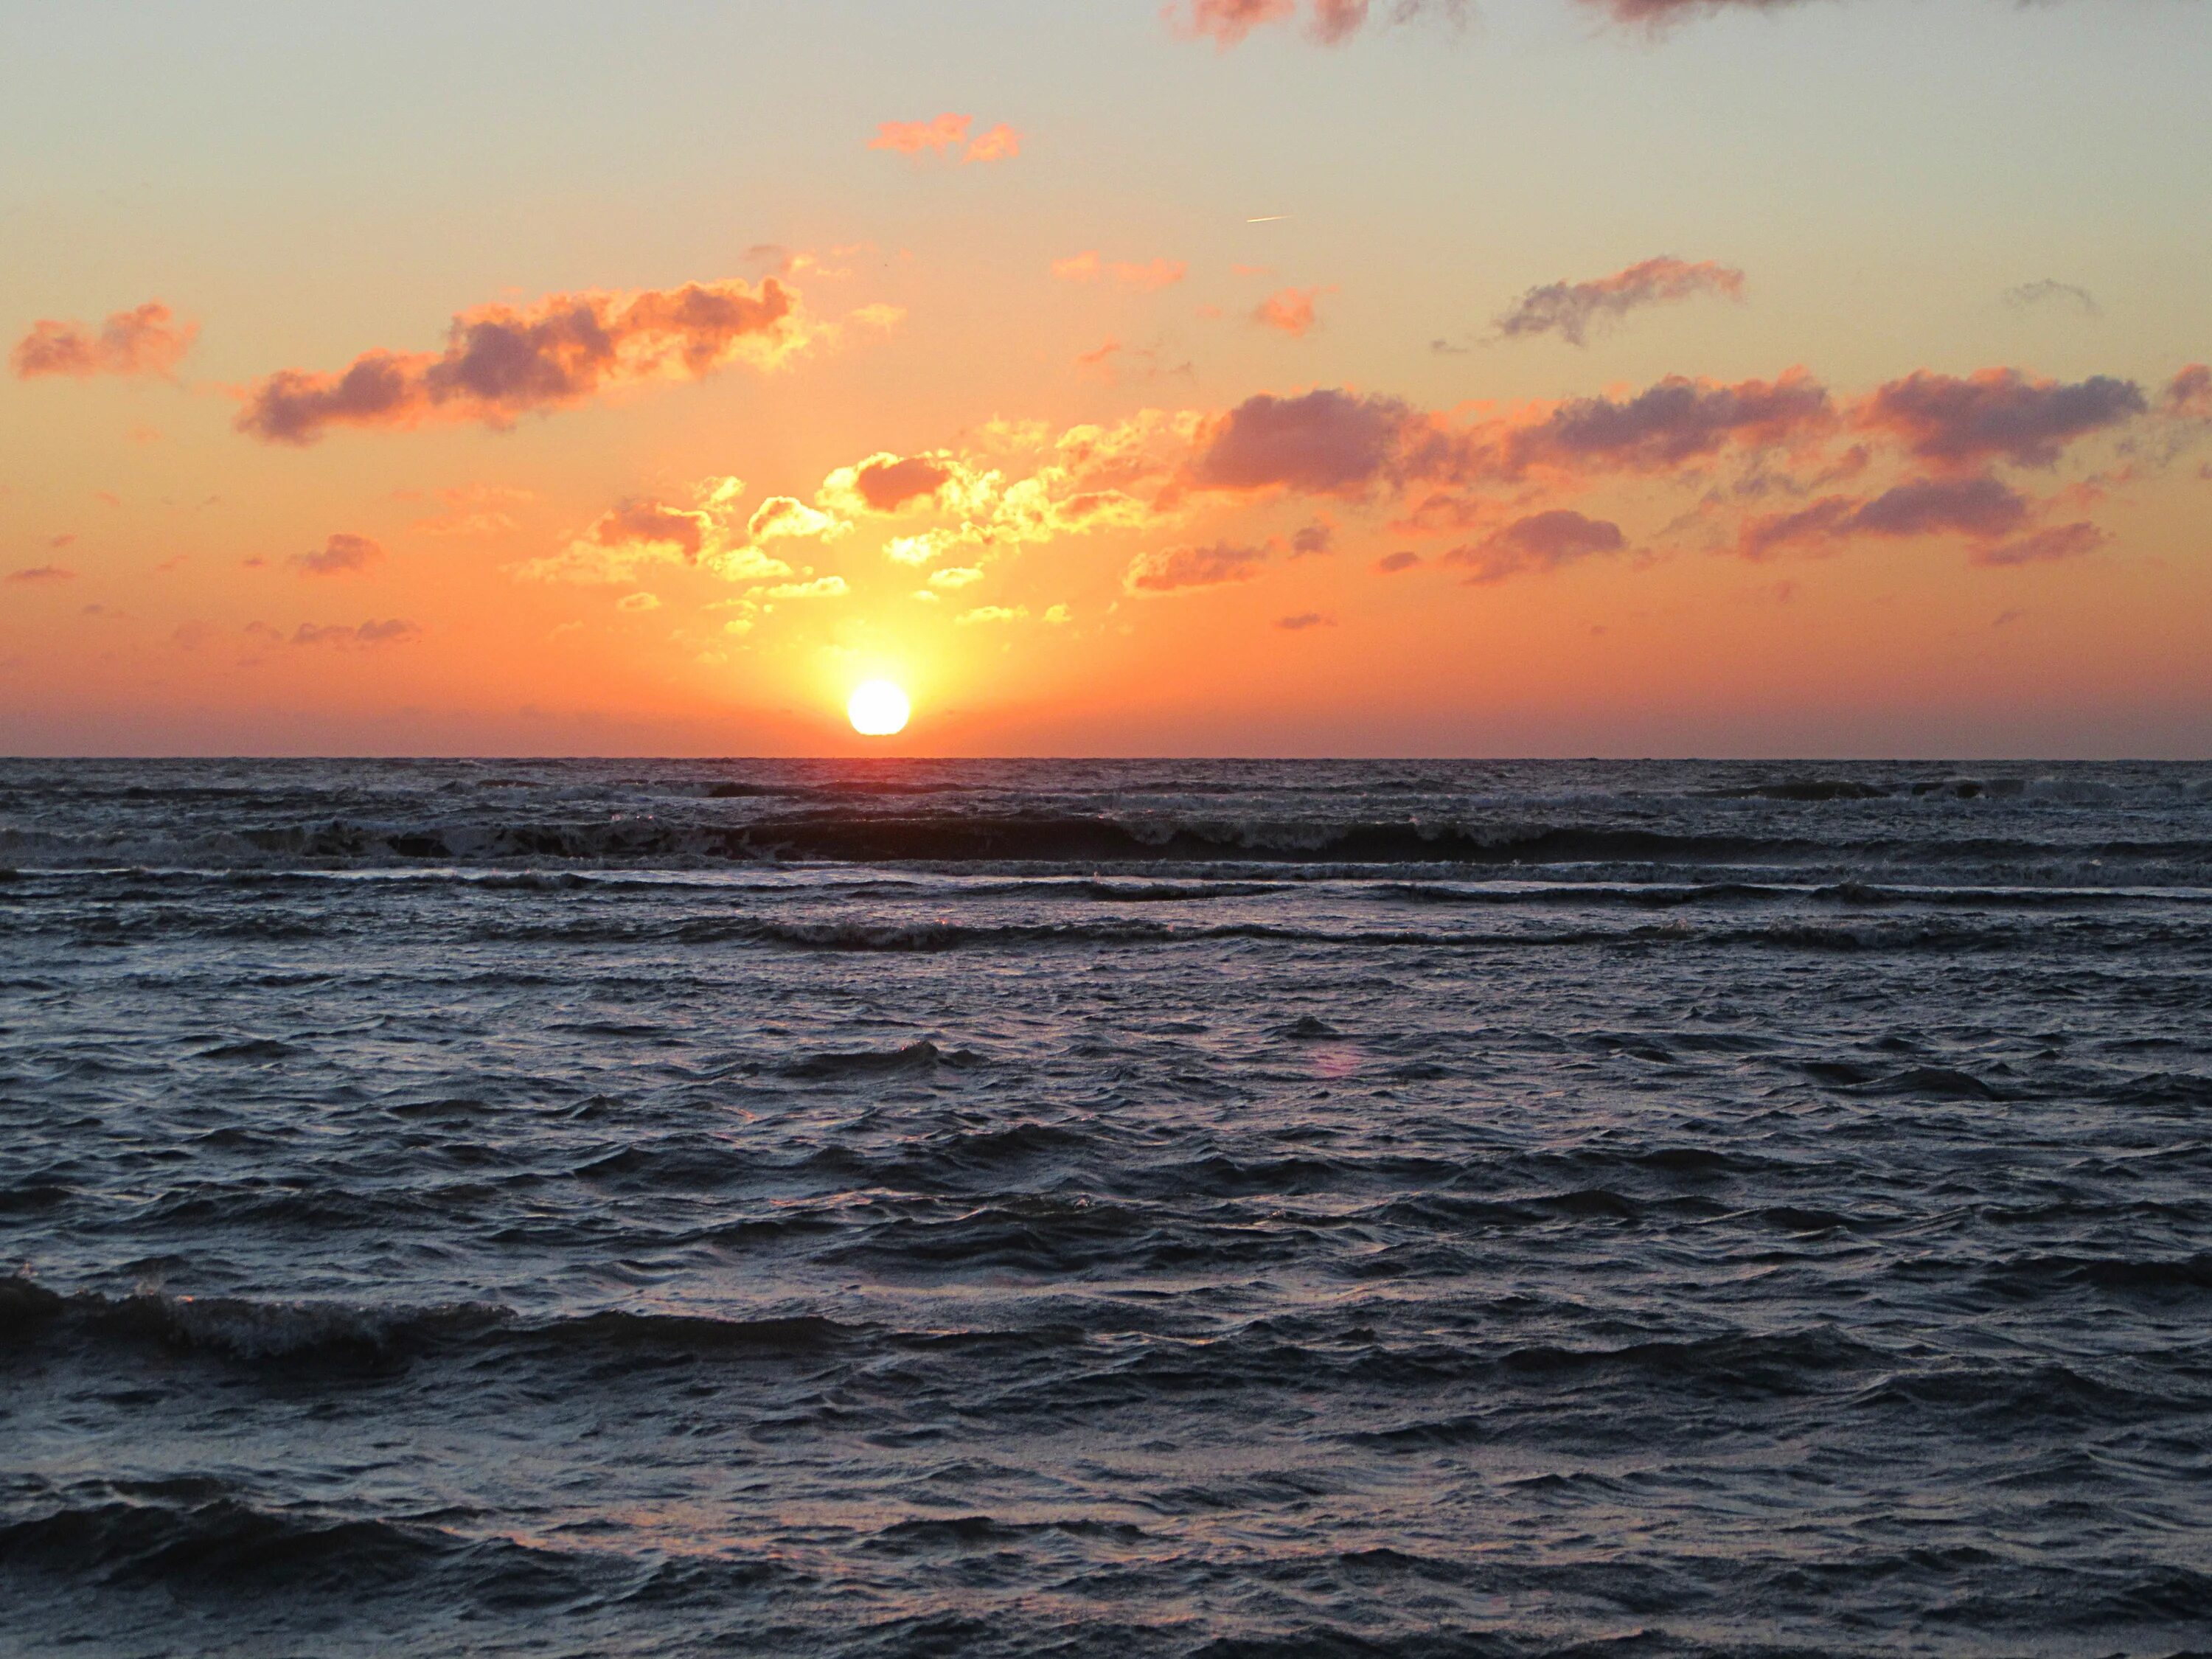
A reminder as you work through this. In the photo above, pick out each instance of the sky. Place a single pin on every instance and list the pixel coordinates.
(1242, 377)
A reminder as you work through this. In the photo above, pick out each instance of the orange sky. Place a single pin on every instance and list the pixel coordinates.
(1587, 377)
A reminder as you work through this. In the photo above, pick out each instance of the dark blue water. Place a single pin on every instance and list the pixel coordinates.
(986, 1208)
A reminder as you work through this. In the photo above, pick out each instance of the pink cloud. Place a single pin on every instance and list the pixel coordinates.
(1226, 23)
(1290, 310)
(42, 572)
(1304, 620)
(1391, 563)
(340, 555)
(501, 361)
(1655, 14)
(1572, 309)
(1329, 22)
(1172, 569)
(1999, 413)
(912, 138)
(145, 341)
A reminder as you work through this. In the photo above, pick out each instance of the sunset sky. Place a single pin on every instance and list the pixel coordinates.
(1299, 377)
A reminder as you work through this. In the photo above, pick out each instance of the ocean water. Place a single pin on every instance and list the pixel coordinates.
(670, 1208)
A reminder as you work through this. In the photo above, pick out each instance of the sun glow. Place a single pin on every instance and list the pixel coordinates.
(878, 710)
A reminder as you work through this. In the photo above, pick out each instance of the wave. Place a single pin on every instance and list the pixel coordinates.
(352, 1335)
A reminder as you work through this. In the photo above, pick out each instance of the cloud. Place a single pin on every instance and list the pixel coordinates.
(1147, 278)
(1000, 143)
(1655, 14)
(1981, 507)
(1290, 310)
(944, 132)
(955, 576)
(1226, 23)
(1675, 421)
(2065, 541)
(822, 587)
(1542, 541)
(145, 341)
(913, 138)
(1930, 507)
(1571, 310)
(638, 604)
(1303, 620)
(1391, 563)
(1172, 569)
(42, 572)
(339, 555)
(1998, 414)
(641, 531)
(886, 483)
(390, 632)
(783, 517)
(2047, 291)
(2190, 393)
(990, 613)
(473, 510)
(501, 361)
(1328, 442)
(1316, 537)
(1327, 23)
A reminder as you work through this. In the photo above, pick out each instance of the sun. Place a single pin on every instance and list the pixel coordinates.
(877, 708)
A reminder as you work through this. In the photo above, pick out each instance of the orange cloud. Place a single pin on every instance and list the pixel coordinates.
(1148, 277)
(340, 555)
(144, 341)
(1572, 309)
(502, 361)
(1290, 311)
(948, 131)
(1000, 143)
(912, 138)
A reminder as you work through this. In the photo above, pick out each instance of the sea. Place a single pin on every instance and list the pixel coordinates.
(981, 1209)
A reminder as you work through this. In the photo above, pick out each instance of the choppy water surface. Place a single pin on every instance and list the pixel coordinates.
(661, 1208)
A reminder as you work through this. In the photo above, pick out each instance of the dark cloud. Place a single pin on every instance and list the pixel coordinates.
(502, 361)
(1571, 310)
(1171, 570)
(1321, 443)
(1303, 620)
(2049, 292)
(339, 555)
(1999, 413)
(1542, 541)
(390, 632)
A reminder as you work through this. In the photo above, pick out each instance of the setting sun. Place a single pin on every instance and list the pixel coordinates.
(879, 709)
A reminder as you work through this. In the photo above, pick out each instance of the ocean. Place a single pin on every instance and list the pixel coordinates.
(992, 1208)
